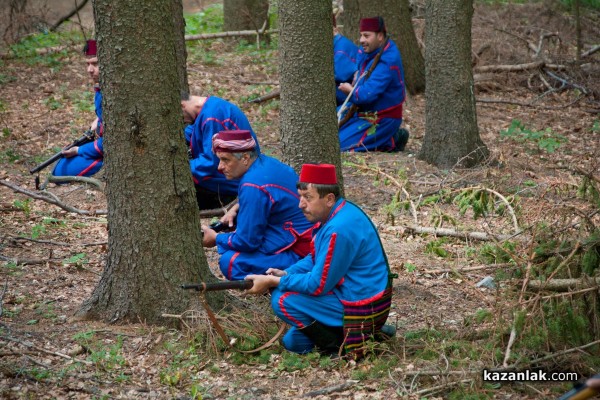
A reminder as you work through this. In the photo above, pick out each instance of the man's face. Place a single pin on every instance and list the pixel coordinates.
(231, 167)
(92, 68)
(371, 41)
(315, 208)
(189, 115)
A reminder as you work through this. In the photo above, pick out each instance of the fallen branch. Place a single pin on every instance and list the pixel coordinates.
(563, 285)
(54, 353)
(591, 51)
(517, 67)
(30, 261)
(454, 233)
(26, 239)
(52, 199)
(218, 35)
(465, 269)
(70, 179)
(331, 389)
(217, 212)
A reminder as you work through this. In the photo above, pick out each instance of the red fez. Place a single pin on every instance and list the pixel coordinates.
(90, 48)
(233, 141)
(323, 174)
(374, 24)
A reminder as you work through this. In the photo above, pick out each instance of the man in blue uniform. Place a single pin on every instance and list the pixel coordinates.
(206, 117)
(344, 61)
(87, 159)
(271, 231)
(377, 95)
(340, 294)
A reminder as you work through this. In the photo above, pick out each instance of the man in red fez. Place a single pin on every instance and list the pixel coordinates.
(339, 295)
(86, 160)
(270, 231)
(377, 94)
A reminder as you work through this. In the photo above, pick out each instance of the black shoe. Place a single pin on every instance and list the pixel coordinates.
(401, 138)
(327, 339)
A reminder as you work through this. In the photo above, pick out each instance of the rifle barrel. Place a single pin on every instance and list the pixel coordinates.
(211, 287)
(87, 137)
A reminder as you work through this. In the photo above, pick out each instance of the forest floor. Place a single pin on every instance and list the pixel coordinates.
(449, 329)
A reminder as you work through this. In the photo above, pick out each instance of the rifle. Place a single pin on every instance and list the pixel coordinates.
(581, 391)
(87, 137)
(212, 287)
(353, 108)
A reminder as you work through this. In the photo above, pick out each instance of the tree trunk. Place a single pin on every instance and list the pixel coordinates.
(180, 48)
(245, 14)
(396, 14)
(154, 237)
(451, 132)
(307, 118)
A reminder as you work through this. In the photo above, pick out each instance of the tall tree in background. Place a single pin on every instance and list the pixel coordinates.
(451, 132)
(245, 14)
(396, 14)
(308, 122)
(154, 237)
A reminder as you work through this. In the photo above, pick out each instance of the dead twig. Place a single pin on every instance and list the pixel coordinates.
(52, 199)
(50, 242)
(30, 261)
(69, 15)
(454, 233)
(54, 353)
(331, 389)
(70, 179)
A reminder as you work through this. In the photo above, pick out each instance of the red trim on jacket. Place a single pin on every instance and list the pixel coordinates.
(92, 165)
(282, 307)
(230, 268)
(327, 265)
(363, 301)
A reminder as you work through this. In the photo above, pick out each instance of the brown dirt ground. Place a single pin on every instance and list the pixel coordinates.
(39, 297)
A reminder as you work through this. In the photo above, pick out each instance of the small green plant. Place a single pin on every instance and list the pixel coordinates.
(209, 20)
(37, 230)
(545, 140)
(9, 156)
(4, 79)
(435, 247)
(497, 254)
(24, 205)
(410, 268)
(52, 103)
(78, 260)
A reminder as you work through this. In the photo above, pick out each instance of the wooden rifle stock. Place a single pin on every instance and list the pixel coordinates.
(211, 287)
(87, 137)
(580, 392)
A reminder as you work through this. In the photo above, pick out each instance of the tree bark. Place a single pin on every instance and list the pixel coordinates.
(180, 47)
(245, 14)
(154, 237)
(396, 14)
(451, 132)
(307, 118)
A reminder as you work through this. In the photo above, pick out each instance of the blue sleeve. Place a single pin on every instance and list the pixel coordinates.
(334, 254)
(302, 266)
(205, 163)
(92, 150)
(369, 90)
(252, 219)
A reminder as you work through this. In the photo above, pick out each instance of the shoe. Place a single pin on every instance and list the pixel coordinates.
(388, 330)
(401, 138)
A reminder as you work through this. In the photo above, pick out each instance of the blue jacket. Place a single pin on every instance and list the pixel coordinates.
(216, 115)
(344, 63)
(269, 220)
(346, 259)
(383, 91)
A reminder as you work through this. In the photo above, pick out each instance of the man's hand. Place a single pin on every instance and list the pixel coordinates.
(229, 218)
(345, 87)
(275, 272)
(262, 283)
(209, 237)
(72, 152)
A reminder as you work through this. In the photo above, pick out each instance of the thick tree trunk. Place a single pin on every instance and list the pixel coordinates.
(180, 48)
(308, 116)
(396, 14)
(154, 237)
(245, 14)
(451, 132)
